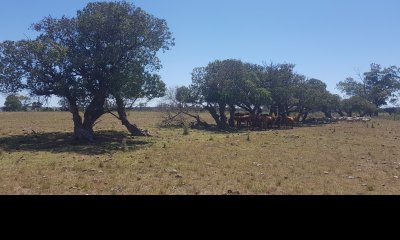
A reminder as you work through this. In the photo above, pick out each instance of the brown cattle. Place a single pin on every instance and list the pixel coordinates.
(290, 121)
(243, 118)
(287, 121)
(266, 121)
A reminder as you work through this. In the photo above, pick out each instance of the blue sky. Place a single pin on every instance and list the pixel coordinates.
(326, 39)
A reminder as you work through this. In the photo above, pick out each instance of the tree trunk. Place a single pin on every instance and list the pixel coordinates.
(132, 128)
(94, 111)
(232, 111)
(286, 107)
(298, 117)
(202, 123)
(300, 114)
(199, 122)
(213, 112)
(282, 111)
(305, 116)
(222, 115)
(84, 131)
(81, 133)
(340, 113)
(328, 114)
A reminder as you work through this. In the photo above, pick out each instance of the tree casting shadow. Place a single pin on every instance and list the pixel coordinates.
(105, 142)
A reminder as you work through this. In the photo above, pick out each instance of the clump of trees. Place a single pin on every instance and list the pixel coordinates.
(13, 103)
(108, 51)
(224, 87)
(375, 88)
(17, 103)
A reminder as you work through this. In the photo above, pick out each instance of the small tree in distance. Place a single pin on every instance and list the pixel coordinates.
(12, 103)
(378, 86)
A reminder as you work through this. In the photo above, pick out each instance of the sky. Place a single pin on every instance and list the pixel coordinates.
(327, 39)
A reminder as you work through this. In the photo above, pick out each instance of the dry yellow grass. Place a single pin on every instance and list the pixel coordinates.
(343, 158)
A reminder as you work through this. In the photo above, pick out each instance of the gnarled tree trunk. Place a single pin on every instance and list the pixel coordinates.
(213, 112)
(232, 111)
(223, 123)
(83, 130)
(81, 133)
(94, 111)
(132, 128)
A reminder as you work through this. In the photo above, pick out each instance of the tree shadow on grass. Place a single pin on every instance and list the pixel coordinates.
(105, 142)
(246, 129)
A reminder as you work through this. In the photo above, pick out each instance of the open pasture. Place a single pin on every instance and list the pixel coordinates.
(38, 157)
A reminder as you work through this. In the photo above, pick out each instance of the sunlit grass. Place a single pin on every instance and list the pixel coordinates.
(37, 157)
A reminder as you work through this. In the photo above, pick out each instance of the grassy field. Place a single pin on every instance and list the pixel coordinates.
(37, 157)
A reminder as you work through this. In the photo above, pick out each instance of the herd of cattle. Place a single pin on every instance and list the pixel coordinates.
(265, 121)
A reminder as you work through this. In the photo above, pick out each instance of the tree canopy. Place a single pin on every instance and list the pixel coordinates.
(222, 85)
(228, 85)
(13, 103)
(378, 86)
(108, 51)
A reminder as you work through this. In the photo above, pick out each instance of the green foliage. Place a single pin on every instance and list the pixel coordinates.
(184, 95)
(283, 83)
(358, 104)
(378, 86)
(351, 87)
(108, 50)
(228, 83)
(13, 103)
(313, 96)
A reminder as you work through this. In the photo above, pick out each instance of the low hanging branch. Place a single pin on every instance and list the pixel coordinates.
(175, 116)
(132, 128)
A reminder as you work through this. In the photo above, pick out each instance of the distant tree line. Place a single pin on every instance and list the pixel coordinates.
(17, 103)
(224, 87)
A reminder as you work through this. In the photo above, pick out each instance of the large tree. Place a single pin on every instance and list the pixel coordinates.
(313, 96)
(108, 51)
(358, 104)
(378, 86)
(283, 82)
(223, 85)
